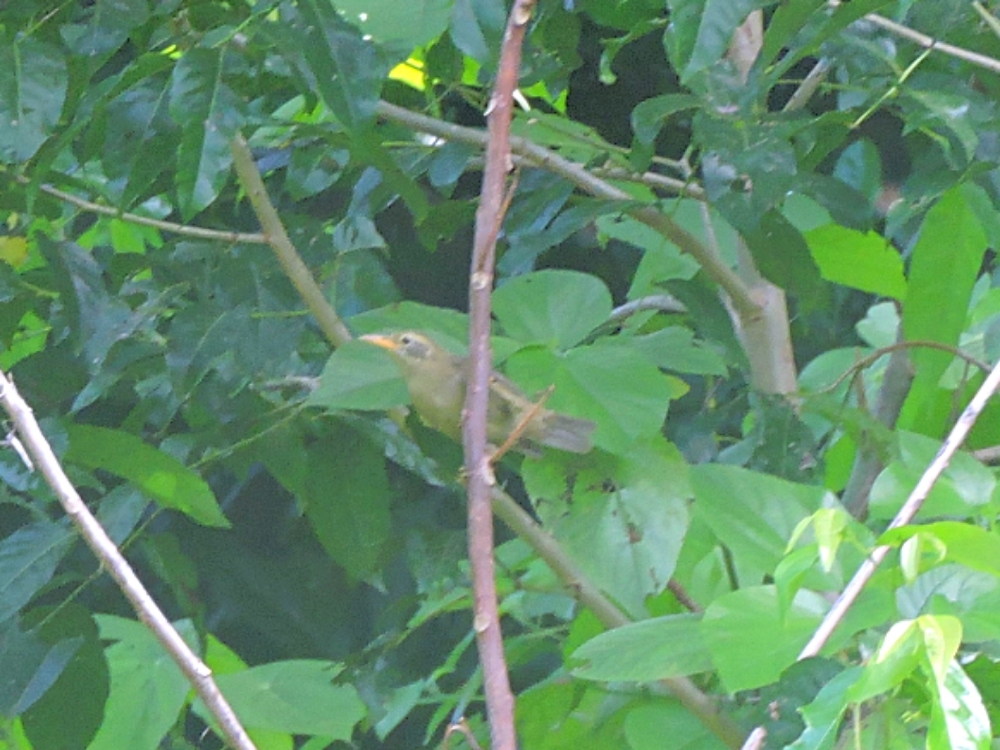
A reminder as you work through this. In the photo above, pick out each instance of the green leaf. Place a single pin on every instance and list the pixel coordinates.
(399, 30)
(674, 348)
(644, 651)
(646, 727)
(716, 23)
(649, 116)
(346, 493)
(345, 68)
(82, 687)
(864, 261)
(33, 82)
(622, 519)
(295, 696)
(148, 689)
(558, 308)
(359, 376)
(783, 257)
(211, 114)
(943, 268)
(958, 716)
(30, 666)
(609, 382)
(753, 514)
(823, 715)
(969, 545)
(751, 640)
(964, 489)
(28, 558)
(169, 482)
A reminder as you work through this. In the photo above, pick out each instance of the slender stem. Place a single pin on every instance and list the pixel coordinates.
(111, 558)
(274, 230)
(146, 221)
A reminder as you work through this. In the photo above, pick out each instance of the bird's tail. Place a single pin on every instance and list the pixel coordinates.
(568, 433)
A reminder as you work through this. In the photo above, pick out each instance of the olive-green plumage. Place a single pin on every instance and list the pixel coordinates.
(437, 378)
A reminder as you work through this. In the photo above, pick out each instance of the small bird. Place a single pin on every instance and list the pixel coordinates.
(436, 379)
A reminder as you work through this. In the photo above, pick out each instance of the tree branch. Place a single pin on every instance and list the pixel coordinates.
(480, 481)
(274, 232)
(196, 671)
(184, 230)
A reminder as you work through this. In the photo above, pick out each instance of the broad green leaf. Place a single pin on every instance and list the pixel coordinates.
(823, 715)
(864, 261)
(30, 666)
(752, 514)
(674, 348)
(169, 482)
(644, 651)
(105, 27)
(646, 727)
(398, 29)
(716, 22)
(477, 28)
(751, 641)
(82, 687)
(965, 488)
(557, 308)
(296, 696)
(622, 519)
(148, 689)
(345, 67)
(33, 82)
(346, 494)
(609, 382)
(897, 657)
(959, 720)
(969, 545)
(783, 257)
(661, 260)
(943, 268)
(649, 116)
(141, 141)
(210, 114)
(359, 376)
(28, 558)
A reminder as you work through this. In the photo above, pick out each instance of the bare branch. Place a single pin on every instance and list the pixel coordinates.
(478, 469)
(274, 230)
(196, 671)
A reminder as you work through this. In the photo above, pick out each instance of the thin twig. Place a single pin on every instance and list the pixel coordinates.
(184, 230)
(196, 671)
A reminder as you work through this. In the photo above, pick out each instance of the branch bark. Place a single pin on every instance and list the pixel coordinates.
(196, 671)
(478, 466)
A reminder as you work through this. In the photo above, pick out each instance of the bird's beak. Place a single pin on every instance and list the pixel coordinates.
(378, 339)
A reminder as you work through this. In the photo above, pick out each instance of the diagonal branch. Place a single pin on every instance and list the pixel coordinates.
(196, 671)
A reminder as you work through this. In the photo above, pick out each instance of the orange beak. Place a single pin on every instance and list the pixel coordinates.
(378, 339)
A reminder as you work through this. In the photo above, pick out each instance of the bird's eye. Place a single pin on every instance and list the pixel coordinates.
(406, 339)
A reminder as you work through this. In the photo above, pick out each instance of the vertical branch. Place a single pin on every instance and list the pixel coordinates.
(111, 558)
(479, 473)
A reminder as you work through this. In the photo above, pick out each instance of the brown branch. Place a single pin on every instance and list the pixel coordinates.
(146, 221)
(479, 471)
(274, 231)
(196, 671)
(581, 588)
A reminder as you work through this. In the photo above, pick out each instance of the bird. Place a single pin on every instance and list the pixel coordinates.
(436, 380)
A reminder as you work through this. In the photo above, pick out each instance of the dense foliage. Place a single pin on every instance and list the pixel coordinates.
(763, 270)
